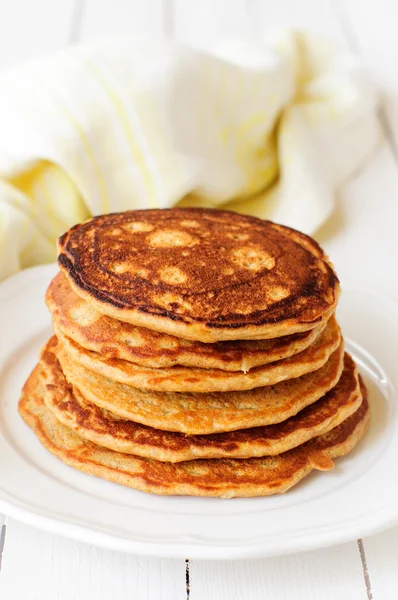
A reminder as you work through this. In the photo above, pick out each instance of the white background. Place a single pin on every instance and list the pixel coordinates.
(361, 239)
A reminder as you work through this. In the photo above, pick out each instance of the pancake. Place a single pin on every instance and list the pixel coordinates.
(106, 429)
(185, 379)
(198, 414)
(90, 329)
(216, 477)
(200, 274)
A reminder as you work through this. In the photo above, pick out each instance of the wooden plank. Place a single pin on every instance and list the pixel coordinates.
(204, 23)
(372, 31)
(382, 562)
(372, 207)
(316, 16)
(367, 205)
(3, 531)
(326, 574)
(31, 28)
(361, 234)
(109, 17)
(24, 33)
(38, 565)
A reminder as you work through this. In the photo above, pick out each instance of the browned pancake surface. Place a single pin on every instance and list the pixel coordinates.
(204, 413)
(200, 274)
(215, 477)
(186, 379)
(111, 338)
(107, 429)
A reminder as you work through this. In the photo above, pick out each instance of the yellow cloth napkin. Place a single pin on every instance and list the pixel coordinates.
(271, 128)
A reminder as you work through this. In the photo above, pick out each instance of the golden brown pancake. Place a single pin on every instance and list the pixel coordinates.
(106, 429)
(90, 329)
(200, 274)
(205, 413)
(215, 477)
(185, 379)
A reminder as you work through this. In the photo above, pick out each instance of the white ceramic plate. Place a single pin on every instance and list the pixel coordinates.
(357, 498)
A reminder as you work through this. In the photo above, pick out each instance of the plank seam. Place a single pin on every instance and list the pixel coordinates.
(76, 21)
(2, 541)
(250, 13)
(346, 26)
(365, 569)
(355, 46)
(387, 130)
(168, 23)
(187, 579)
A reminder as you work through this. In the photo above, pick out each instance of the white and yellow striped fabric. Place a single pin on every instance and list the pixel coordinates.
(270, 128)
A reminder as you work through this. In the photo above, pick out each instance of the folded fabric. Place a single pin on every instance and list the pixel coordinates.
(270, 128)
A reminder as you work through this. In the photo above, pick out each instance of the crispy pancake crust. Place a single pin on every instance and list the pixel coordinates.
(185, 379)
(216, 477)
(193, 413)
(106, 429)
(90, 329)
(200, 274)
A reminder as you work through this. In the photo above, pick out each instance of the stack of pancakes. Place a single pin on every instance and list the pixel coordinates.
(195, 352)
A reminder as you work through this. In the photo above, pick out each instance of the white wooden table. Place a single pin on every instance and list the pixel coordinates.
(361, 238)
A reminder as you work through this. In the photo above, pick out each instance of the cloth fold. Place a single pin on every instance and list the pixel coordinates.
(271, 128)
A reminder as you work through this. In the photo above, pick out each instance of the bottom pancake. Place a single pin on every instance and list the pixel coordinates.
(107, 429)
(215, 477)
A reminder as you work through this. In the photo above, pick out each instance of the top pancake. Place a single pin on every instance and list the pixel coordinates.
(200, 274)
